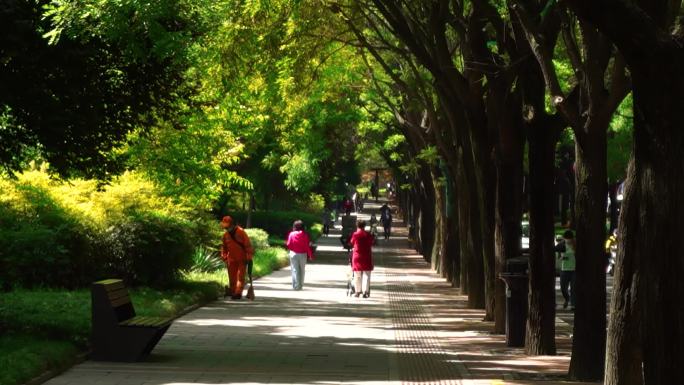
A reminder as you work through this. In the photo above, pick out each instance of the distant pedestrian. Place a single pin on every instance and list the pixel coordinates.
(362, 259)
(567, 274)
(237, 253)
(384, 210)
(348, 206)
(299, 245)
(374, 191)
(327, 222)
(386, 219)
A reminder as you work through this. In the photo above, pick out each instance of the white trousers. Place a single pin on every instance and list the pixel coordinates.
(298, 265)
(362, 281)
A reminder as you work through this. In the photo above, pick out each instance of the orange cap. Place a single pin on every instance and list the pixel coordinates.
(226, 221)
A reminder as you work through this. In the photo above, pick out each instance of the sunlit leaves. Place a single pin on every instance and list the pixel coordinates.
(620, 140)
(301, 170)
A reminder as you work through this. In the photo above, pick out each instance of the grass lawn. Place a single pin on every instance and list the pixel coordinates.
(43, 329)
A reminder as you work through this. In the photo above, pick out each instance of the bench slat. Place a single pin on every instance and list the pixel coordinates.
(146, 321)
(111, 284)
(121, 301)
(118, 293)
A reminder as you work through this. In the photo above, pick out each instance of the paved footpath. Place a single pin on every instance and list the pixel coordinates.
(414, 329)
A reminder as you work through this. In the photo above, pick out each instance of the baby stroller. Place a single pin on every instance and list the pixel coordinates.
(350, 278)
(374, 232)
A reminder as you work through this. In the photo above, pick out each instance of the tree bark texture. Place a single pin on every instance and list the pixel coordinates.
(509, 191)
(541, 328)
(589, 328)
(647, 294)
(653, 220)
(438, 247)
(623, 345)
(427, 219)
(453, 251)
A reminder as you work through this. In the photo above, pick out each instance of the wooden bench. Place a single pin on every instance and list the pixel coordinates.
(117, 333)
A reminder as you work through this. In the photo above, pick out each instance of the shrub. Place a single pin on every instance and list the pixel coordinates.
(148, 248)
(41, 241)
(267, 260)
(258, 238)
(205, 260)
(71, 233)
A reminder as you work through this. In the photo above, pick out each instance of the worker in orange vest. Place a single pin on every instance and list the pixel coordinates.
(236, 251)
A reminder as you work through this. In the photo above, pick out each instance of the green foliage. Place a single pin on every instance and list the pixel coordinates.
(429, 155)
(70, 233)
(148, 248)
(258, 238)
(74, 102)
(48, 313)
(22, 357)
(205, 260)
(620, 140)
(268, 260)
(301, 171)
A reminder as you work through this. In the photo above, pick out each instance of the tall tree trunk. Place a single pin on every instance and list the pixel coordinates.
(476, 267)
(427, 228)
(646, 327)
(453, 251)
(487, 215)
(437, 255)
(652, 219)
(452, 254)
(509, 189)
(472, 275)
(541, 328)
(589, 329)
(417, 204)
(623, 346)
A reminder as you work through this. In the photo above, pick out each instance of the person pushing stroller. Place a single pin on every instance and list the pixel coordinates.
(362, 259)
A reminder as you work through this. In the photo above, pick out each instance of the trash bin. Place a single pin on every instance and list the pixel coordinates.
(515, 277)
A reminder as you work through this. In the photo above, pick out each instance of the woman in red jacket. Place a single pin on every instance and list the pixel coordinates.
(299, 245)
(362, 259)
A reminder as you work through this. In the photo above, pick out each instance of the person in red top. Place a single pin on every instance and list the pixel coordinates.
(362, 259)
(299, 245)
(236, 252)
(348, 206)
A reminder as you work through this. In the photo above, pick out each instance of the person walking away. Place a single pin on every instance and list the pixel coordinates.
(299, 246)
(326, 221)
(387, 224)
(362, 259)
(567, 273)
(236, 252)
(384, 210)
(348, 206)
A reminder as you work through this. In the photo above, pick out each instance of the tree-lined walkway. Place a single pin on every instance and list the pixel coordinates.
(413, 329)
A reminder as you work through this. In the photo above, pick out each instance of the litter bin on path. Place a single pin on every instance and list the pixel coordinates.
(515, 277)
